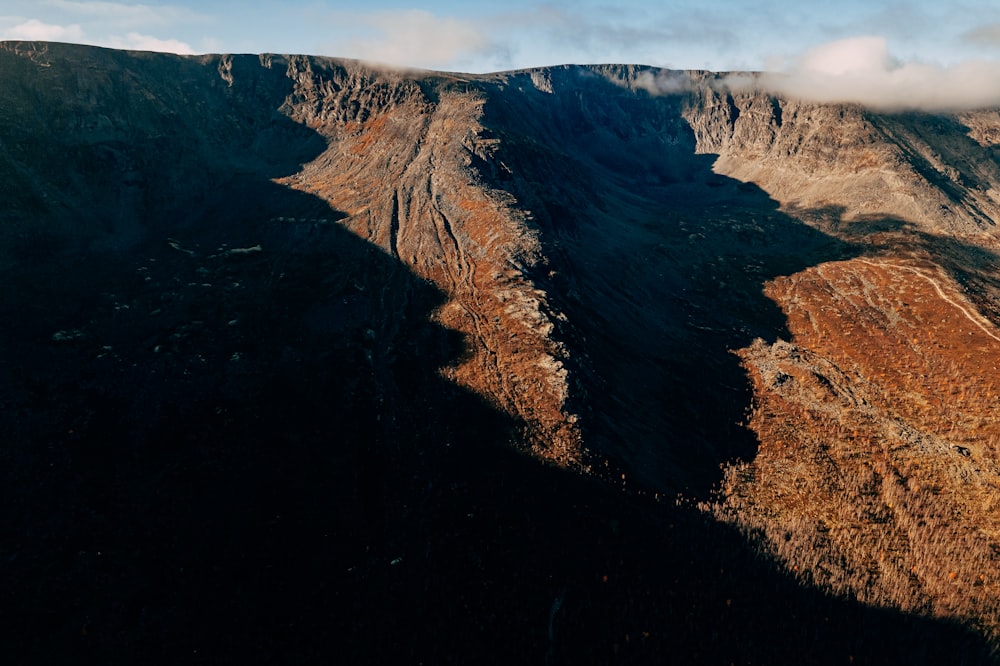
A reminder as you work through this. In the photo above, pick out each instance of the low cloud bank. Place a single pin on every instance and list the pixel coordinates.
(36, 31)
(861, 70)
(663, 82)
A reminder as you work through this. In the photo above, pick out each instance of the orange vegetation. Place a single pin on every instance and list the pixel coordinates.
(403, 180)
(879, 464)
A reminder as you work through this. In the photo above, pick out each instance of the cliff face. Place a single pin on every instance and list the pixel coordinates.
(232, 269)
(875, 412)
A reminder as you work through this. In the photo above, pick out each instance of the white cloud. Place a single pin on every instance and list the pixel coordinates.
(857, 56)
(861, 70)
(988, 35)
(121, 14)
(663, 82)
(35, 30)
(134, 41)
(417, 38)
(108, 24)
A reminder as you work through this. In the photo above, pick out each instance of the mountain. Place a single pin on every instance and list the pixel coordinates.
(311, 360)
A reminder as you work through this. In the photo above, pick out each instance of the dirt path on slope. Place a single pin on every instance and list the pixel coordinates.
(974, 318)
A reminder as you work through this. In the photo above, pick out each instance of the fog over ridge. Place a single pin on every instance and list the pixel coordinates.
(862, 70)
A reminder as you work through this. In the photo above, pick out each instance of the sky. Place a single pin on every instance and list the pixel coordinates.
(924, 51)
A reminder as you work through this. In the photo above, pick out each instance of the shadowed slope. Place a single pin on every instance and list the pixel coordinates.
(226, 437)
(656, 262)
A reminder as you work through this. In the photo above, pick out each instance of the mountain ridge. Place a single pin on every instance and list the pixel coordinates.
(642, 273)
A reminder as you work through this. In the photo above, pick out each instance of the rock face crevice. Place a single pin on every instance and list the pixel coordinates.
(655, 261)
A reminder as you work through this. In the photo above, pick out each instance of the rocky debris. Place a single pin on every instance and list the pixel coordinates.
(68, 336)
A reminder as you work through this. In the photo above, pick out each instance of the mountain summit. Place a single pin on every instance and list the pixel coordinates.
(308, 359)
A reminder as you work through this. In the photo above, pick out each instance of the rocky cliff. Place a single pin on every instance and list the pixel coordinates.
(362, 363)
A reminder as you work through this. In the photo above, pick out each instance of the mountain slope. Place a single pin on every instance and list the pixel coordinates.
(431, 355)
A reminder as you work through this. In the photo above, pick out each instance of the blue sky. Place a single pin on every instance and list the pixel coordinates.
(890, 53)
(477, 37)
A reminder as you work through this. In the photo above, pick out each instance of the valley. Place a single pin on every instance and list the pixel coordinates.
(311, 360)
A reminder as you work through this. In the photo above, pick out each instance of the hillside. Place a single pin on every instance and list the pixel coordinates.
(310, 360)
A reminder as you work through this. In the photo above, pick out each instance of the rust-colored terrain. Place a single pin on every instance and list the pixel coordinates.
(310, 361)
(876, 473)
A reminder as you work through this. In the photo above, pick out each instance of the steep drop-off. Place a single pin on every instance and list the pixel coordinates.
(312, 360)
